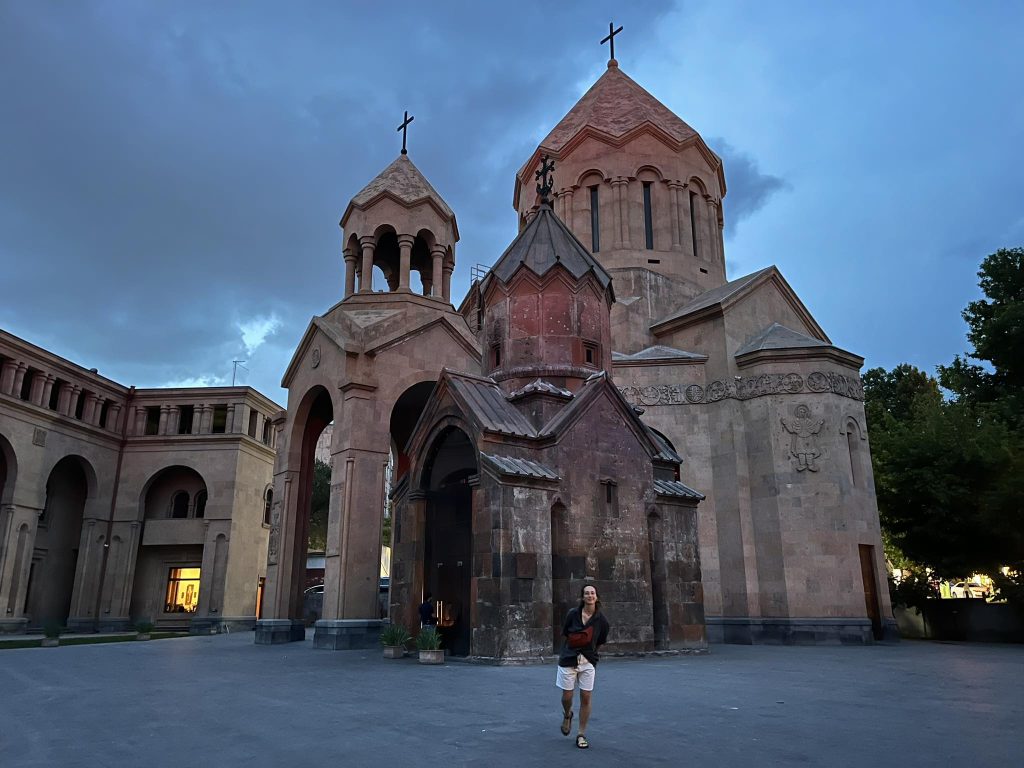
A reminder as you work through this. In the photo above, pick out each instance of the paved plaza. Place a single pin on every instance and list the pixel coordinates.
(221, 700)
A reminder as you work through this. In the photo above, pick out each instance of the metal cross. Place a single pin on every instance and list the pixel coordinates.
(612, 32)
(546, 182)
(403, 128)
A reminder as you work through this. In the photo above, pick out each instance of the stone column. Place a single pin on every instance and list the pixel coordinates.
(7, 376)
(19, 379)
(405, 243)
(47, 390)
(197, 418)
(685, 225)
(446, 287)
(616, 214)
(173, 419)
(438, 253)
(350, 272)
(89, 411)
(17, 541)
(366, 275)
(64, 398)
(97, 411)
(229, 421)
(674, 194)
(162, 428)
(35, 392)
(76, 392)
(114, 418)
(207, 426)
(138, 420)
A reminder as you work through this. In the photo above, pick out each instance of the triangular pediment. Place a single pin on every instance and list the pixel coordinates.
(331, 332)
(723, 299)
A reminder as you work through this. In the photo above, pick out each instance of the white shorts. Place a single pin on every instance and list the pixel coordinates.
(583, 673)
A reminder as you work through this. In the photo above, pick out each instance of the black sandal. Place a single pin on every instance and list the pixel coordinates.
(566, 723)
(581, 742)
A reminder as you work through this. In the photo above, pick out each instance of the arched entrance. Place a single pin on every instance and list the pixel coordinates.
(169, 578)
(448, 542)
(319, 410)
(51, 578)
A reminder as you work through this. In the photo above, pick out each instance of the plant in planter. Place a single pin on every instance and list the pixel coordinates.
(429, 643)
(143, 629)
(51, 634)
(394, 639)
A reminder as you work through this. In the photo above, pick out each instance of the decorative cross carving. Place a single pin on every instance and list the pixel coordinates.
(612, 32)
(543, 176)
(403, 128)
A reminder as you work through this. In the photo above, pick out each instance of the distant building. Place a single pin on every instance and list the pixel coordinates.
(121, 504)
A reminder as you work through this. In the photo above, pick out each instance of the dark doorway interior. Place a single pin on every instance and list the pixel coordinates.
(448, 545)
(867, 570)
(60, 527)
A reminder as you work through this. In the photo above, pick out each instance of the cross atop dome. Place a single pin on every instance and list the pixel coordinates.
(612, 32)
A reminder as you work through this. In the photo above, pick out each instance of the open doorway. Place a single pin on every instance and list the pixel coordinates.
(448, 545)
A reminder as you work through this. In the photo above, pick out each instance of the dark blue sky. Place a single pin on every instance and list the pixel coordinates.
(171, 175)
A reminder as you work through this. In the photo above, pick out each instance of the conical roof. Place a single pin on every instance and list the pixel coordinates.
(615, 105)
(543, 243)
(403, 180)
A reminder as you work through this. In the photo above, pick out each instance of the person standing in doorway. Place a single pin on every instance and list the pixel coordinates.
(427, 618)
(585, 629)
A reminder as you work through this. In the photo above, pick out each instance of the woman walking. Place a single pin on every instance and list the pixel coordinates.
(585, 630)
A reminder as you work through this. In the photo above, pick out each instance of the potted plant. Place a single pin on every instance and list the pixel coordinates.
(429, 643)
(394, 639)
(143, 629)
(51, 634)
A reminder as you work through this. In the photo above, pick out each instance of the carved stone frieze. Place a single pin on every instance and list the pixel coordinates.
(745, 388)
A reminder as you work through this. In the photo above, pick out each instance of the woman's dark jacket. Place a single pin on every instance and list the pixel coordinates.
(574, 623)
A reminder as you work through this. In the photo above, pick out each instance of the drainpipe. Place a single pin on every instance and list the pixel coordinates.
(113, 505)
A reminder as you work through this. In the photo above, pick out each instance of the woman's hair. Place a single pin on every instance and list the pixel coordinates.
(597, 605)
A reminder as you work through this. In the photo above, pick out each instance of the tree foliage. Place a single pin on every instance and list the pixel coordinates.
(319, 506)
(949, 473)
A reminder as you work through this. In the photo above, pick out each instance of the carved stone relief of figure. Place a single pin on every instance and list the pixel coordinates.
(275, 534)
(803, 443)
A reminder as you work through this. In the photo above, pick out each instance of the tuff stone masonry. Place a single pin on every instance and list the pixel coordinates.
(603, 407)
(120, 504)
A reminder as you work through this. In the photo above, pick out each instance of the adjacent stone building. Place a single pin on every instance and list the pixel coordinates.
(120, 504)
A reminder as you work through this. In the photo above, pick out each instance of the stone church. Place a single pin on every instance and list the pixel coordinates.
(604, 406)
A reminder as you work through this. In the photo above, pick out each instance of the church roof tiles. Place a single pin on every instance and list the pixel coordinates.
(675, 488)
(510, 465)
(404, 181)
(487, 401)
(615, 105)
(542, 244)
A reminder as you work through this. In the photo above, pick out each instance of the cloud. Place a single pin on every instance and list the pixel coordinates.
(196, 381)
(256, 331)
(749, 189)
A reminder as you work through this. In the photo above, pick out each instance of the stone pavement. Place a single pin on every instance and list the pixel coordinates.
(224, 701)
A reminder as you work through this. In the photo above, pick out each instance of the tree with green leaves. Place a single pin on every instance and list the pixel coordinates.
(319, 506)
(949, 473)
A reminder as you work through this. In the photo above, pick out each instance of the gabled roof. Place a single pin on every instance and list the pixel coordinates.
(675, 488)
(486, 402)
(542, 244)
(777, 336)
(510, 465)
(404, 182)
(540, 386)
(719, 299)
(657, 352)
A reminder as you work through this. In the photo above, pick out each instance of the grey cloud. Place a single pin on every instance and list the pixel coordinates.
(749, 189)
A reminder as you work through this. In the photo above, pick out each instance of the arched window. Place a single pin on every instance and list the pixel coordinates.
(268, 502)
(179, 505)
(201, 504)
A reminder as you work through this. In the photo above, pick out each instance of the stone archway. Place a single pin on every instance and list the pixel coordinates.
(51, 579)
(316, 412)
(168, 575)
(450, 467)
(8, 471)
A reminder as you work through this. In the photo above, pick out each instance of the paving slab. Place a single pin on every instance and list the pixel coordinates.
(224, 701)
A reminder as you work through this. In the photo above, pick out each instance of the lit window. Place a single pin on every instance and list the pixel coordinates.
(182, 590)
